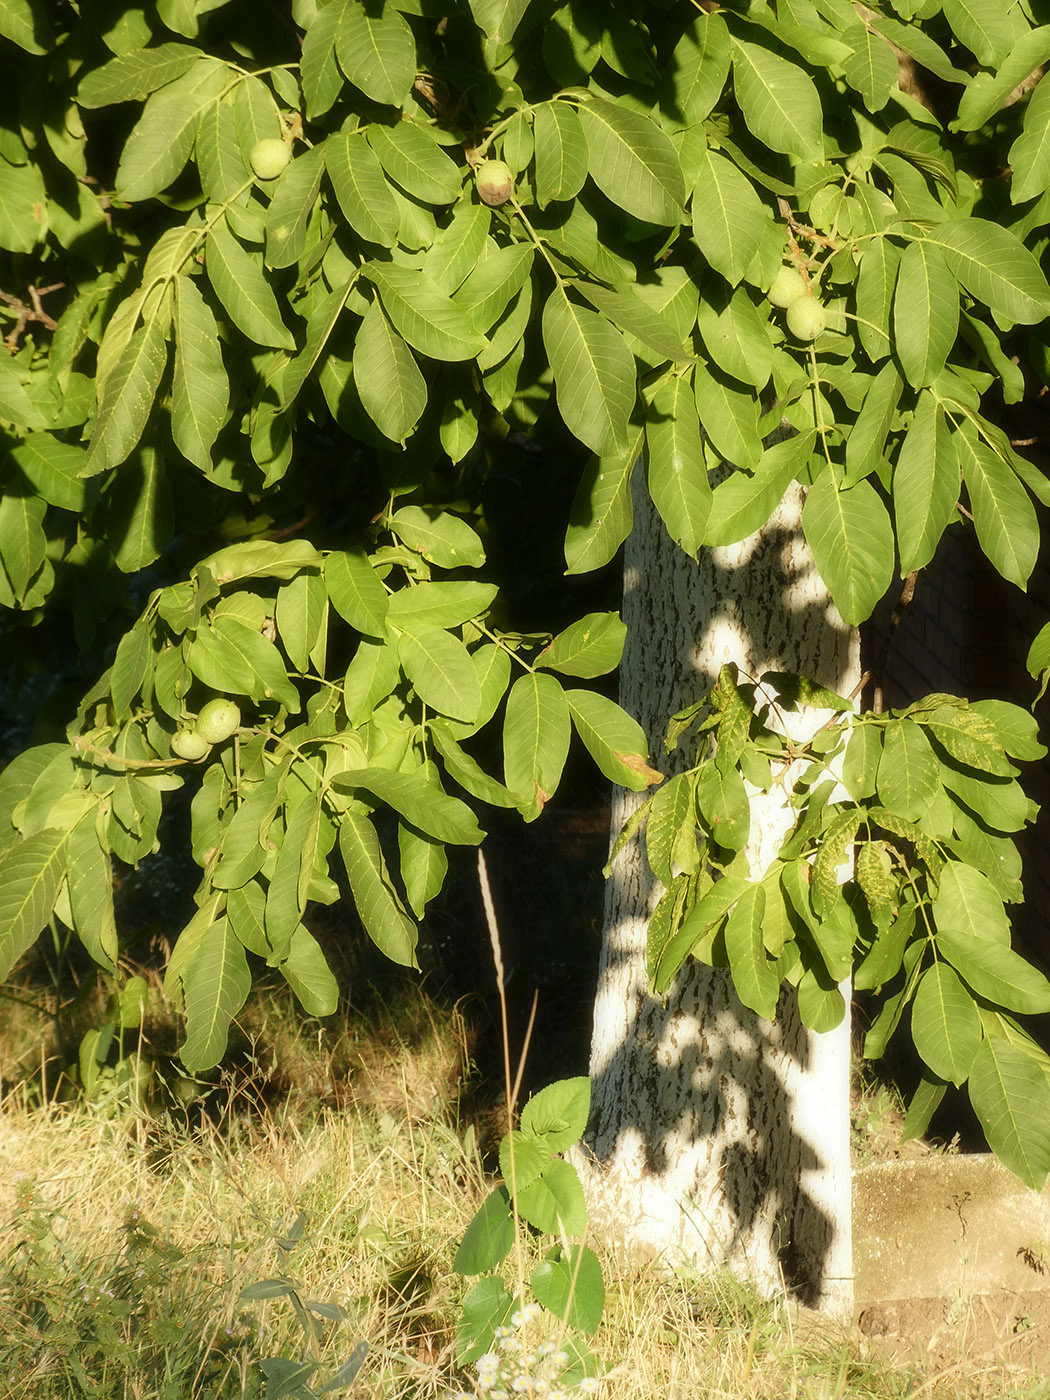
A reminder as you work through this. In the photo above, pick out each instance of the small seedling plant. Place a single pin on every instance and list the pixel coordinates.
(302, 1378)
(528, 1333)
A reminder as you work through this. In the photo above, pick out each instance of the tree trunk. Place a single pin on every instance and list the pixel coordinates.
(715, 1136)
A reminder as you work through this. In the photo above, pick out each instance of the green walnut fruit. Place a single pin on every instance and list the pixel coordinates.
(190, 745)
(788, 286)
(494, 181)
(806, 318)
(268, 158)
(218, 720)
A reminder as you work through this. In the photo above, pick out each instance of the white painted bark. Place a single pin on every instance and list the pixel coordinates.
(715, 1136)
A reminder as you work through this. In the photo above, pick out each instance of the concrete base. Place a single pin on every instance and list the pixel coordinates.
(952, 1251)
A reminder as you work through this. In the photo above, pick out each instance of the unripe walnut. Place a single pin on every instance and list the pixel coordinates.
(188, 744)
(788, 286)
(268, 158)
(806, 318)
(494, 181)
(218, 720)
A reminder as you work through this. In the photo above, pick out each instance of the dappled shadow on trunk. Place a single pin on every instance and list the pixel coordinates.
(716, 1136)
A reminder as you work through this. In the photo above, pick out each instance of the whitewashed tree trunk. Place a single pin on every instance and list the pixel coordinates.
(715, 1136)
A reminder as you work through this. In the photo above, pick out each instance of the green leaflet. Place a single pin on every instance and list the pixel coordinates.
(215, 985)
(925, 485)
(970, 737)
(286, 896)
(393, 391)
(356, 591)
(133, 76)
(995, 267)
(233, 657)
(945, 1025)
(593, 371)
(429, 320)
(588, 648)
(1003, 514)
(1010, 1095)
(371, 676)
(306, 971)
(729, 219)
(876, 283)
(561, 152)
(872, 69)
(821, 1005)
(321, 76)
(967, 902)
(221, 161)
(569, 1284)
(377, 53)
(851, 537)
(780, 103)
(411, 156)
(440, 537)
(633, 161)
(925, 312)
(744, 502)
(695, 82)
(536, 733)
(162, 139)
(385, 920)
(291, 206)
(627, 308)
(440, 669)
(729, 416)
(23, 543)
(987, 92)
(736, 337)
(127, 398)
(490, 288)
(492, 670)
(676, 470)
(423, 867)
(909, 774)
(722, 802)
(994, 971)
(671, 818)
(418, 800)
(139, 522)
(360, 187)
(985, 27)
(754, 976)
(489, 1236)
(614, 740)
(460, 766)
(240, 284)
(866, 442)
(458, 247)
(443, 603)
(302, 616)
(554, 1202)
(498, 18)
(1030, 154)
(200, 385)
(31, 871)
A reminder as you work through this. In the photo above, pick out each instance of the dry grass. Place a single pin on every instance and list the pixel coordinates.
(127, 1240)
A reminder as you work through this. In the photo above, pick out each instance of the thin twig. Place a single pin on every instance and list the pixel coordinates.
(34, 312)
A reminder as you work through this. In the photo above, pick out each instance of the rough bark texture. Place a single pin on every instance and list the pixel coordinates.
(716, 1136)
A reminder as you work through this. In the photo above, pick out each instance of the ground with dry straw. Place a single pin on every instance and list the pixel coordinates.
(210, 1246)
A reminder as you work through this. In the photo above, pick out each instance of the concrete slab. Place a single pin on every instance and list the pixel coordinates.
(952, 1254)
(947, 1225)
